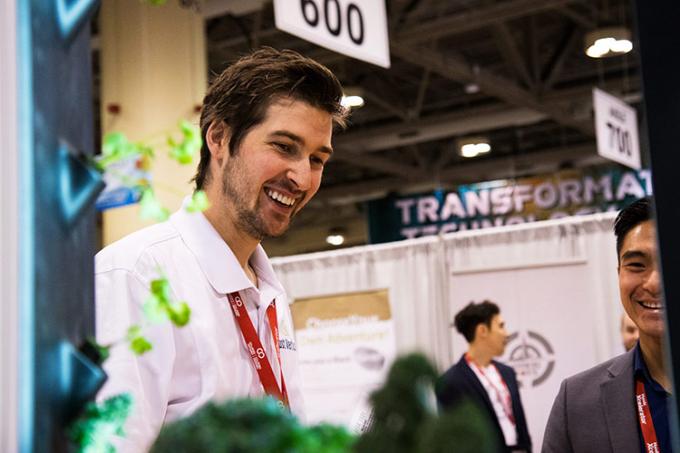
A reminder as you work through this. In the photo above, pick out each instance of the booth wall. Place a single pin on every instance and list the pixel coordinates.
(555, 282)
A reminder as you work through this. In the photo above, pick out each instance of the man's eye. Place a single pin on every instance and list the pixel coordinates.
(283, 147)
(317, 161)
(635, 266)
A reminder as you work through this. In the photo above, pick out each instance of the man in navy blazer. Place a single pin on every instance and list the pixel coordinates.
(486, 382)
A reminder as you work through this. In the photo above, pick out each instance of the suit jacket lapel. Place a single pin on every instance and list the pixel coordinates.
(618, 403)
(474, 381)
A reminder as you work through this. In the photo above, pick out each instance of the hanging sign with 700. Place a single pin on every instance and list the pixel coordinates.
(357, 28)
(616, 129)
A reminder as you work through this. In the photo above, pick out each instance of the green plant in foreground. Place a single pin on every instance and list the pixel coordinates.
(405, 420)
(93, 430)
(160, 306)
(116, 148)
(185, 150)
(199, 202)
(249, 425)
(100, 422)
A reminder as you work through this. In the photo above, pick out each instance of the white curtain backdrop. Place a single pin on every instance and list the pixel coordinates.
(555, 282)
(587, 240)
(556, 285)
(412, 271)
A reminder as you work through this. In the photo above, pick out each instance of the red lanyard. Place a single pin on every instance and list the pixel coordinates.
(257, 352)
(502, 394)
(645, 418)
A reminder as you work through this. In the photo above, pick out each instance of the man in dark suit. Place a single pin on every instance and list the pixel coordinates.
(621, 406)
(479, 378)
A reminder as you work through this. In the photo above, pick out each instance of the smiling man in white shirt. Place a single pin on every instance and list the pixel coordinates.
(267, 123)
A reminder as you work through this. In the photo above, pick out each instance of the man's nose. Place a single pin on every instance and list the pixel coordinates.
(300, 174)
(653, 281)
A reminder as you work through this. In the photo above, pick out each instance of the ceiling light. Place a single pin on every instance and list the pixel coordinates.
(336, 236)
(352, 101)
(471, 88)
(473, 146)
(335, 239)
(353, 97)
(608, 42)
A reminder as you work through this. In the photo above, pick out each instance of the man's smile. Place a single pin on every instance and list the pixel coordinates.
(650, 304)
(282, 199)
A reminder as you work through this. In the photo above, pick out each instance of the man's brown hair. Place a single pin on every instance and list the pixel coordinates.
(241, 94)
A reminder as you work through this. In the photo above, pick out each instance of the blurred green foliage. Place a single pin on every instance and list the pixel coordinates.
(405, 419)
(94, 430)
(249, 425)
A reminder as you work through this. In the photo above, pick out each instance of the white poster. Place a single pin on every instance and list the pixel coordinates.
(354, 28)
(616, 129)
(345, 347)
(548, 314)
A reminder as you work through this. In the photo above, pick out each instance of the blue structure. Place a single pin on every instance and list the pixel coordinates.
(57, 225)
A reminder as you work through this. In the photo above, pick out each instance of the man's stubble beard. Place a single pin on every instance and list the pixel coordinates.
(247, 220)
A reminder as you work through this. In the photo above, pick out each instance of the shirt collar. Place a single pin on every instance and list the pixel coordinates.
(218, 262)
(640, 369)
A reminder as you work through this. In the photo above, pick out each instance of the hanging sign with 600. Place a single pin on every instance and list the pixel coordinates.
(355, 28)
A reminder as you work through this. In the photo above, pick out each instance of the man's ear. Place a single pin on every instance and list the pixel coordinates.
(217, 140)
(481, 330)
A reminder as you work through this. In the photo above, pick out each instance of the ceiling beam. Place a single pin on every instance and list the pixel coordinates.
(475, 171)
(578, 18)
(454, 67)
(477, 18)
(529, 163)
(420, 97)
(469, 121)
(554, 67)
(381, 164)
(216, 8)
(510, 53)
(533, 56)
(384, 104)
(433, 128)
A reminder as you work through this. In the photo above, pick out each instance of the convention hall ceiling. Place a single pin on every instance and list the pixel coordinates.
(513, 71)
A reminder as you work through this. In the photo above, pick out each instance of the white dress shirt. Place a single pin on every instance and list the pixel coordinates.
(495, 388)
(204, 360)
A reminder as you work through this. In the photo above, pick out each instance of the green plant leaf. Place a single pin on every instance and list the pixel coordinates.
(179, 313)
(199, 202)
(257, 425)
(114, 143)
(154, 311)
(140, 345)
(184, 151)
(160, 288)
(103, 351)
(150, 208)
(116, 147)
(93, 431)
(133, 331)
